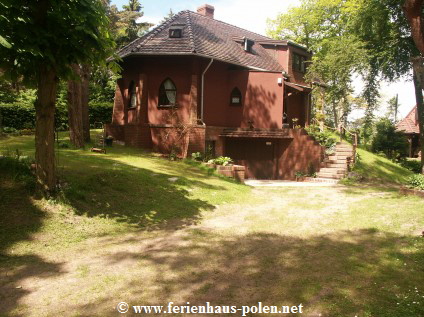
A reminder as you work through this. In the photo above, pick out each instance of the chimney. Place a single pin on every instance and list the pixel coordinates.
(207, 10)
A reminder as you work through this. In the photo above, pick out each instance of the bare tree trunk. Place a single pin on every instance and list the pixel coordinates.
(85, 77)
(335, 114)
(76, 132)
(44, 131)
(418, 69)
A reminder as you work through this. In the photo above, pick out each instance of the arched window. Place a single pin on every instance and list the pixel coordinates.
(235, 99)
(132, 97)
(167, 94)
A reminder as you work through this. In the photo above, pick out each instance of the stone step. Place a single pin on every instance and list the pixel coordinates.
(341, 165)
(348, 153)
(338, 157)
(330, 175)
(332, 170)
(331, 161)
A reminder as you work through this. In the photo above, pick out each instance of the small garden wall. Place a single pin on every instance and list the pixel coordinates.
(236, 172)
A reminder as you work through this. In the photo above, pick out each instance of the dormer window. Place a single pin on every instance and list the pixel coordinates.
(248, 45)
(176, 31)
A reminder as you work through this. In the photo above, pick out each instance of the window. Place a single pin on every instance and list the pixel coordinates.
(167, 94)
(248, 44)
(235, 98)
(299, 63)
(176, 31)
(132, 97)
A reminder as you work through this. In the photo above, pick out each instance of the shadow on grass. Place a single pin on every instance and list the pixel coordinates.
(347, 273)
(137, 196)
(19, 219)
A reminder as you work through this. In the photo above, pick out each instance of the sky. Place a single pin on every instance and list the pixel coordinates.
(252, 15)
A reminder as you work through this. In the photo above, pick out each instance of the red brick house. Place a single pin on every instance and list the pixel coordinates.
(198, 84)
(409, 126)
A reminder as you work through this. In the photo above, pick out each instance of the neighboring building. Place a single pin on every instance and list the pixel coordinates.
(198, 84)
(409, 126)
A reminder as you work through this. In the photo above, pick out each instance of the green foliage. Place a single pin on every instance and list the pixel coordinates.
(18, 116)
(102, 85)
(125, 24)
(100, 112)
(412, 165)
(389, 141)
(416, 181)
(197, 156)
(52, 34)
(17, 167)
(324, 26)
(221, 160)
(325, 138)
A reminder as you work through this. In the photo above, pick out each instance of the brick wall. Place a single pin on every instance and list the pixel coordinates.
(298, 153)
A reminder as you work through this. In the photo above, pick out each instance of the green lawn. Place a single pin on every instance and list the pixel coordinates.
(131, 226)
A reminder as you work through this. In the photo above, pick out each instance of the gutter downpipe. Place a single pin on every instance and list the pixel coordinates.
(202, 90)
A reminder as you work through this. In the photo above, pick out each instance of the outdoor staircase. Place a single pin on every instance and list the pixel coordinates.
(335, 166)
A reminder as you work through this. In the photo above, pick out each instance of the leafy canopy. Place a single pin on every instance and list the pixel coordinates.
(53, 33)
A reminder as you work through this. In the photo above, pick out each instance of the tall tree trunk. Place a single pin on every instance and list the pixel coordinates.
(76, 132)
(44, 130)
(85, 77)
(418, 70)
(413, 11)
(336, 117)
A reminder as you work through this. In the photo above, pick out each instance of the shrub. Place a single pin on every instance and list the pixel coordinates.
(18, 167)
(221, 160)
(412, 165)
(322, 137)
(389, 141)
(21, 116)
(18, 116)
(100, 112)
(416, 181)
(197, 156)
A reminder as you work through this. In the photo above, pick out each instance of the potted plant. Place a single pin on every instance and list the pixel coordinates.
(299, 176)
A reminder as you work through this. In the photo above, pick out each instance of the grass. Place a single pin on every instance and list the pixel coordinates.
(131, 226)
(380, 169)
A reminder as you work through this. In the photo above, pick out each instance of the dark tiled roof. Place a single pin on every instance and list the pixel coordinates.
(410, 123)
(207, 37)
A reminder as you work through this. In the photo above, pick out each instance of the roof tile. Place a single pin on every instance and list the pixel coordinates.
(206, 37)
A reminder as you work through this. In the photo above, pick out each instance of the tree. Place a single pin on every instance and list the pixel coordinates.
(389, 141)
(127, 27)
(414, 12)
(323, 27)
(75, 109)
(393, 40)
(392, 108)
(41, 40)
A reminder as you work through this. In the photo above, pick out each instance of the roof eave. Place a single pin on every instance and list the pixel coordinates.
(200, 55)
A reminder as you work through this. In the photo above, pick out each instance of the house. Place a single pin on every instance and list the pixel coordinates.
(198, 84)
(409, 126)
